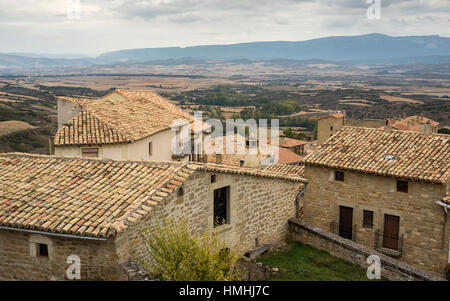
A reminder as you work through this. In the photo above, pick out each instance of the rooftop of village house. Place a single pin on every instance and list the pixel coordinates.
(413, 123)
(403, 154)
(131, 116)
(93, 197)
(233, 144)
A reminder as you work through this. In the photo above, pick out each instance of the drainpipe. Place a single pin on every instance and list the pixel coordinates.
(297, 200)
(446, 208)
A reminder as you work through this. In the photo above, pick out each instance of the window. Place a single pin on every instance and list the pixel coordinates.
(402, 186)
(218, 158)
(339, 175)
(180, 191)
(150, 148)
(241, 163)
(42, 250)
(368, 219)
(221, 198)
(213, 178)
(89, 152)
(331, 128)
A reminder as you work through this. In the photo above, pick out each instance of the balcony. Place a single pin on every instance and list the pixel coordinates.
(343, 231)
(391, 245)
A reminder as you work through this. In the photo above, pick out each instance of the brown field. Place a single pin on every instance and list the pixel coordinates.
(13, 126)
(399, 99)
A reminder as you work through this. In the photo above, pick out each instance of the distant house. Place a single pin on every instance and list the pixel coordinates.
(264, 153)
(124, 124)
(329, 125)
(54, 207)
(385, 189)
(294, 145)
(416, 124)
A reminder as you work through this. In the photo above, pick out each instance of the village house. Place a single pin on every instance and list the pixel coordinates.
(97, 209)
(124, 124)
(329, 125)
(293, 145)
(235, 151)
(386, 189)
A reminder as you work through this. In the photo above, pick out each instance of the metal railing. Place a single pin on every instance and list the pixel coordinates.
(389, 244)
(197, 158)
(343, 231)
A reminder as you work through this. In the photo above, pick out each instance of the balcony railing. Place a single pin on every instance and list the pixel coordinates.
(388, 244)
(197, 158)
(343, 231)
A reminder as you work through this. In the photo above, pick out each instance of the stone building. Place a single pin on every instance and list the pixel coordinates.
(54, 207)
(124, 124)
(293, 145)
(328, 126)
(235, 151)
(384, 189)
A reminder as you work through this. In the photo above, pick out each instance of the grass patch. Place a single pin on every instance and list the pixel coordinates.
(299, 262)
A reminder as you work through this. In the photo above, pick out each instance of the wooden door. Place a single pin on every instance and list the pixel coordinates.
(221, 196)
(345, 222)
(391, 231)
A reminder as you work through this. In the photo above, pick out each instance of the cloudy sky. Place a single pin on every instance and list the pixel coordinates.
(53, 26)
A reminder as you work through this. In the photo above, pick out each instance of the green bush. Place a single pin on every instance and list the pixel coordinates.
(178, 254)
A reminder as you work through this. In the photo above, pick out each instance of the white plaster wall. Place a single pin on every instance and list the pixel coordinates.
(137, 150)
(161, 147)
(66, 111)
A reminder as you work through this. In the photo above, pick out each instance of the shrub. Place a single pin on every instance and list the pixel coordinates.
(178, 254)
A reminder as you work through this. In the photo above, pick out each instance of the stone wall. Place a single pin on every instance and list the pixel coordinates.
(355, 253)
(98, 259)
(328, 126)
(366, 123)
(259, 209)
(425, 244)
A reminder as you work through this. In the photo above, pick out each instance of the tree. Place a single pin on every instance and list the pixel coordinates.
(444, 131)
(177, 254)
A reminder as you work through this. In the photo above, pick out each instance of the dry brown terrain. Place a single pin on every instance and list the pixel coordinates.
(13, 126)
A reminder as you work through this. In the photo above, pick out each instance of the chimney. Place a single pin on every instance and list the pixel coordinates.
(426, 128)
(388, 126)
(251, 158)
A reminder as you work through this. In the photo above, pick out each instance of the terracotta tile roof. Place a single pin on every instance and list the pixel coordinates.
(290, 142)
(133, 116)
(287, 169)
(413, 155)
(334, 115)
(86, 197)
(285, 156)
(211, 167)
(87, 129)
(412, 123)
(91, 197)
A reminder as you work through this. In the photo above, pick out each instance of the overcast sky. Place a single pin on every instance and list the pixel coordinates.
(51, 26)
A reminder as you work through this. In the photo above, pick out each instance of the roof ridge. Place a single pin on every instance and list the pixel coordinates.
(88, 112)
(125, 221)
(396, 131)
(180, 111)
(67, 158)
